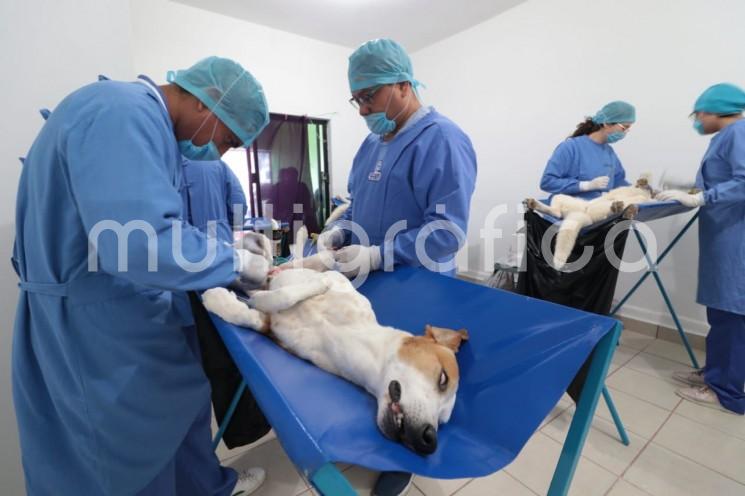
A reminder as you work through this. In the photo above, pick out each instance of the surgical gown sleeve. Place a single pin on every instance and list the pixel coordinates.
(120, 175)
(561, 174)
(732, 190)
(443, 182)
(236, 199)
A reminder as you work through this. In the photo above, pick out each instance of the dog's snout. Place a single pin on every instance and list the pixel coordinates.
(394, 391)
(425, 441)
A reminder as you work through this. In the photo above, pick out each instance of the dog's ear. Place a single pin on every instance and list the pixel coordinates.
(446, 337)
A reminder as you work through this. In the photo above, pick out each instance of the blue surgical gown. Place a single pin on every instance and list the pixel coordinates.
(582, 159)
(426, 173)
(721, 222)
(212, 193)
(105, 384)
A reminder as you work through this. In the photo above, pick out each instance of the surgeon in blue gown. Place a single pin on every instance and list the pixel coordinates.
(585, 165)
(721, 264)
(413, 176)
(109, 394)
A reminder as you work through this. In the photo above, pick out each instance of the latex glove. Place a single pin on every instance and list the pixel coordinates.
(331, 239)
(600, 182)
(253, 271)
(685, 199)
(357, 260)
(256, 243)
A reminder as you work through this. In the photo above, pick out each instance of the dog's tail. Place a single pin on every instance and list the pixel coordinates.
(567, 236)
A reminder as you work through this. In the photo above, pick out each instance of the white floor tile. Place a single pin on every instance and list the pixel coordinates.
(635, 340)
(674, 351)
(638, 416)
(602, 446)
(282, 479)
(661, 472)
(564, 403)
(711, 448)
(499, 483)
(623, 488)
(535, 465)
(657, 366)
(723, 421)
(645, 386)
(439, 487)
(621, 356)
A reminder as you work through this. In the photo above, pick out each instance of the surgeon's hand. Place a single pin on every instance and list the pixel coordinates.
(355, 260)
(255, 243)
(331, 239)
(600, 182)
(253, 271)
(685, 199)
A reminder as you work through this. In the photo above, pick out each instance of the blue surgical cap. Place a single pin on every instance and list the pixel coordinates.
(377, 62)
(614, 112)
(230, 92)
(722, 99)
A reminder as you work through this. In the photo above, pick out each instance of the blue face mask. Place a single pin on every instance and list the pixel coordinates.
(379, 123)
(617, 136)
(699, 126)
(191, 151)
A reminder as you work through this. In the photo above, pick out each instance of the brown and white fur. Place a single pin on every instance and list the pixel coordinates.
(578, 213)
(319, 316)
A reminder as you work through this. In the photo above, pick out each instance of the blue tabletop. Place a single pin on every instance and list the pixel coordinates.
(520, 358)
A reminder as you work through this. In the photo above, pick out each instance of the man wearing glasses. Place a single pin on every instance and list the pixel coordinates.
(416, 166)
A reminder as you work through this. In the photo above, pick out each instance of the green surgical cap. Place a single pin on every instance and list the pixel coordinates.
(722, 99)
(614, 112)
(230, 92)
(377, 62)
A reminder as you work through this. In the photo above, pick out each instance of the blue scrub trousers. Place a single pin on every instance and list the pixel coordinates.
(195, 469)
(724, 372)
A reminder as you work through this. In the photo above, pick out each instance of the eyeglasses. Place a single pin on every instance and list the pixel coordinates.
(365, 98)
(625, 129)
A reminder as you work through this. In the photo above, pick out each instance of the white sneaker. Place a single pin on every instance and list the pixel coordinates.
(690, 377)
(249, 480)
(702, 395)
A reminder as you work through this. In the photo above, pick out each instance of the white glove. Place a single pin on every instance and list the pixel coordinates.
(331, 239)
(252, 272)
(255, 243)
(357, 260)
(600, 182)
(685, 199)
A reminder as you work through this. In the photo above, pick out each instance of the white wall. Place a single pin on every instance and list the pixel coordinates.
(300, 76)
(520, 82)
(47, 49)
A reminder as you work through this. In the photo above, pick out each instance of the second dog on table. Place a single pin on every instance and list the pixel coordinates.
(578, 213)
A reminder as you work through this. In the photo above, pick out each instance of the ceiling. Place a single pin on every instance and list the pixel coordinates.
(414, 23)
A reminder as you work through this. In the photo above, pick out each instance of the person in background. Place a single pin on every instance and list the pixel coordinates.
(416, 165)
(109, 393)
(585, 165)
(721, 261)
(215, 204)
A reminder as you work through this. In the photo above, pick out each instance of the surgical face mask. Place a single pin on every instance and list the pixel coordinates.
(379, 123)
(208, 151)
(617, 136)
(698, 126)
(193, 152)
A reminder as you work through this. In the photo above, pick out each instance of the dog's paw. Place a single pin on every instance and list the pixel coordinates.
(216, 299)
(631, 212)
(616, 207)
(531, 203)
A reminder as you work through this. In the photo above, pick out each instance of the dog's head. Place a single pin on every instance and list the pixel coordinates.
(419, 386)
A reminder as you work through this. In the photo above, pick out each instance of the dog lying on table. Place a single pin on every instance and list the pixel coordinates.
(578, 213)
(317, 315)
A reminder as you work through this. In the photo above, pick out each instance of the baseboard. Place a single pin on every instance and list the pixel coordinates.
(662, 332)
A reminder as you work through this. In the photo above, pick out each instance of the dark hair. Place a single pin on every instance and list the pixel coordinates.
(587, 126)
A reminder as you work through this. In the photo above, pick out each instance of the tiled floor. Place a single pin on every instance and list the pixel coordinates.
(677, 448)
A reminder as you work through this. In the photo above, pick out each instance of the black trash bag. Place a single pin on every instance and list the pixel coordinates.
(248, 423)
(590, 289)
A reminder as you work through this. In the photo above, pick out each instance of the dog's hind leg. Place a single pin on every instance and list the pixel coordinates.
(227, 306)
(276, 300)
(534, 204)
